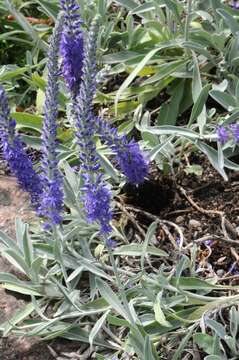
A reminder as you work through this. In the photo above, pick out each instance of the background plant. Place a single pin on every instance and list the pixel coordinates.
(171, 79)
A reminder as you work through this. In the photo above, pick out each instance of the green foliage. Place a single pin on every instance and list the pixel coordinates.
(169, 74)
(172, 78)
(222, 343)
(191, 61)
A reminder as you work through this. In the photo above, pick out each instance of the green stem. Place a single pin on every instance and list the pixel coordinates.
(134, 328)
(101, 265)
(188, 20)
(58, 253)
(120, 286)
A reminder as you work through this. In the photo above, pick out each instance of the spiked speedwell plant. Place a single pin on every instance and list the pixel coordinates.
(79, 69)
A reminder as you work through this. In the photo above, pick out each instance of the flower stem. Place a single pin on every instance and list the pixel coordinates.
(58, 253)
(120, 287)
(188, 20)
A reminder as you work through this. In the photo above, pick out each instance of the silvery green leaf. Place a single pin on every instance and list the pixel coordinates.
(199, 96)
(169, 130)
(158, 148)
(148, 238)
(148, 352)
(97, 327)
(230, 21)
(25, 25)
(217, 327)
(112, 298)
(19, 316)
(224, 99)
(204, 341)
(234, 321)
(212, 156)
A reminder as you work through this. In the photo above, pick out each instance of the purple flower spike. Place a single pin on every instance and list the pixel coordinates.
(130, 158)
(132, 162)
(96, 196)
(235, 131)
(97, 199)
(72, 45)
(52, 197)
(14, 153)
(222, 134)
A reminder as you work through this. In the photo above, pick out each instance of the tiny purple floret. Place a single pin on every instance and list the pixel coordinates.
(110, 243)
(234, 4)
(208, 243)
(235, 131)
(222, 134)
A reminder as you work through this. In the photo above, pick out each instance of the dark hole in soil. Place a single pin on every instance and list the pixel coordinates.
(151, 196)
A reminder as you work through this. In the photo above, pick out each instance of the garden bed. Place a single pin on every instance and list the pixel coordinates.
(204, 209)
(119, 235)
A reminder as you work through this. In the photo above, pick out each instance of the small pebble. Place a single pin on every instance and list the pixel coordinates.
(220, 272)
(179, 219)
(194, 224)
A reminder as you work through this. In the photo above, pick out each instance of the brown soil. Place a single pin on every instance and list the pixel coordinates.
(205, 208)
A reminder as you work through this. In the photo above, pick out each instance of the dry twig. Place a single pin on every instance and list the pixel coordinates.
(162, 223)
